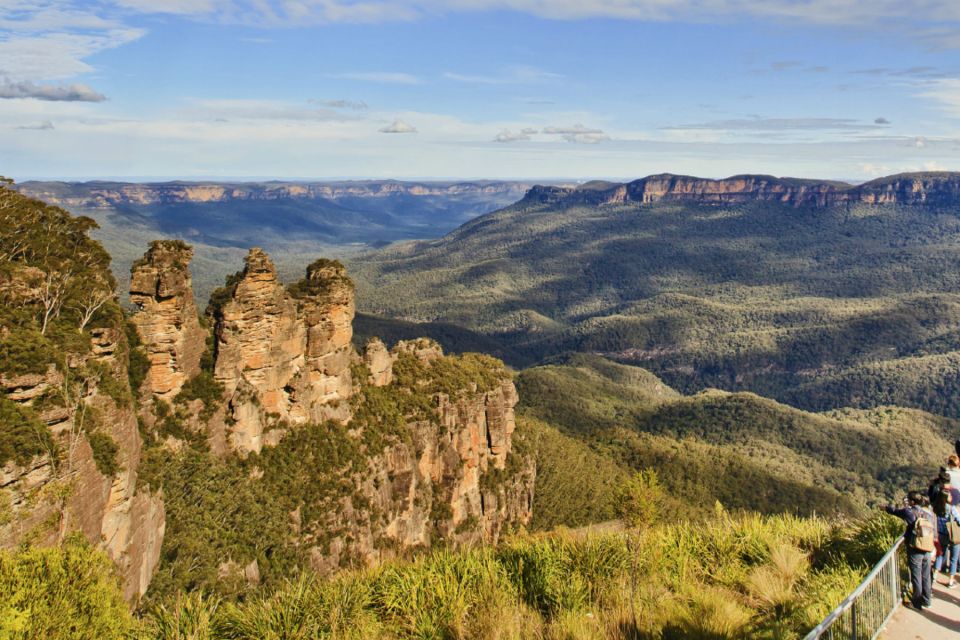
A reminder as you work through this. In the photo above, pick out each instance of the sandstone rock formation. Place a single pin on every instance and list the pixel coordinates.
(284, 358)
(934, 188)
(49, 501)
(167, 321)
(450, 481)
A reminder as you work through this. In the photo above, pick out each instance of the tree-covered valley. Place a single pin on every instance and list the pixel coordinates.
(700, 408)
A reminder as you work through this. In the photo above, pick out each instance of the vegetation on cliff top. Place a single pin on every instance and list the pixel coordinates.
(56, 292)
(720, 576)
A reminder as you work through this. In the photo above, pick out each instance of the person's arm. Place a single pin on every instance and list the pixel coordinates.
(903, 512)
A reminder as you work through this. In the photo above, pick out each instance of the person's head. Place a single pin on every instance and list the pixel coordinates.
(944, 477)
(953, 461)
(915, 498)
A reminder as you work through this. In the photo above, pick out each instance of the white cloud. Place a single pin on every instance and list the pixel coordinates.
(506, 135)
(384, 77)
(398, 126)
(56, 55)
(51, 92)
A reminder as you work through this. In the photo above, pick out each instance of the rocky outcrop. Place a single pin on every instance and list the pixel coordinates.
(49, 500)
(456, 479)
(284, 357)
(167, 319)
(935, 189)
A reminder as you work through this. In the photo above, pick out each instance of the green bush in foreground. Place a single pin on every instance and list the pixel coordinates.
(61, 593)
(719, 577)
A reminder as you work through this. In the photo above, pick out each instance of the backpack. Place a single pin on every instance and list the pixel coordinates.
(953, 525)
(924, 533)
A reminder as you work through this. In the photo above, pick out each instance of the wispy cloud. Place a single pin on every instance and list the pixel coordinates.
(354, 105)
(398, 126)
(946, 93)
(51, 92)
(46, 125)
(384, 77)
(779, 124)
(233, 109)
(577, 134)
(881, 121)
(521, 74)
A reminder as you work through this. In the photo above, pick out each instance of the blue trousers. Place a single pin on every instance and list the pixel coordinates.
(920, 578)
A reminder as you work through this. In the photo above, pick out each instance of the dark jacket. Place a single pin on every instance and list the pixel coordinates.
(909, 514)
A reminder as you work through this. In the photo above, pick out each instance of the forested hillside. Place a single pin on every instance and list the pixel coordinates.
(826, 306)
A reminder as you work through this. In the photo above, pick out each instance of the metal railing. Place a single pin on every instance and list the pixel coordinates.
(864, 612)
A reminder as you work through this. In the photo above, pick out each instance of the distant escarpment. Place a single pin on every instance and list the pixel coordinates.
(101, 194)
(936, 188)
(362, 455)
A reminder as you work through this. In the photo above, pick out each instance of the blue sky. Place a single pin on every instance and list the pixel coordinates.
(477, 88)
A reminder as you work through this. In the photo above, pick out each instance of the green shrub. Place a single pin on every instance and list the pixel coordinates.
(69, 592)
(22, 434)
(105, 451)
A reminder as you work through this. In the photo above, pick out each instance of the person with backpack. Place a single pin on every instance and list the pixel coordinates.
(920, 541)
(948, 532)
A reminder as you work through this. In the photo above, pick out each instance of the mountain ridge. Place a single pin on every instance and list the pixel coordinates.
(904, 188)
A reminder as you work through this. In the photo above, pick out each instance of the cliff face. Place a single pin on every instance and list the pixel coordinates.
(69, 443)
(909, 189)
(454, 478)
(280, 358)
(66, 490)
(168, 323)
(440, 468)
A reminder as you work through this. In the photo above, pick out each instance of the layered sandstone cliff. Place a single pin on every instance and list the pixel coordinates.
(936, 188)
(455, 478)
(283, 356)
(161, 288)
(65, 490)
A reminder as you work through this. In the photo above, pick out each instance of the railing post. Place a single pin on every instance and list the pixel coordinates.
(853, 620)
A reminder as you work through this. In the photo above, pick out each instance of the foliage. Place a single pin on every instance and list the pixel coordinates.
(24, 350)
(818, 307)
(575, 484)
(22, 434)
(746, 451)
(640, 499)
(67, 592)
(717, 577)
(215, 513)
(105, 451)
(205, 388)
(139, 364)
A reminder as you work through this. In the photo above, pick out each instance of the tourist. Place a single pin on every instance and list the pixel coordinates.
(953, 469)
(948, 546)
(920, 539)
